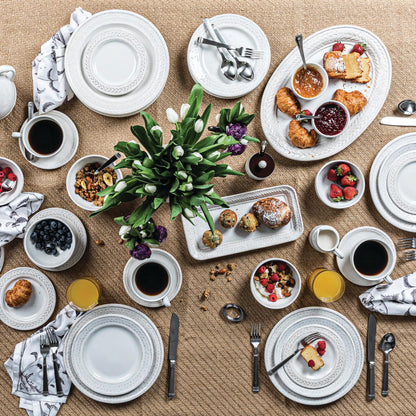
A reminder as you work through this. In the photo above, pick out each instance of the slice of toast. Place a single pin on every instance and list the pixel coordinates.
(342, 66)
(352, 65)
(365, 65)
(310, 353)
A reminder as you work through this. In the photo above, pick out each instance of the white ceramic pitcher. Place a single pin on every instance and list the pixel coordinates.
(7, 90)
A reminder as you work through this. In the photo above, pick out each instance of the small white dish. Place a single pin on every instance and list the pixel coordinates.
(323, 184)
(71, 178)
(280, 303)
(323, 74)
(40, 306)
(347, 114)
(7, 197)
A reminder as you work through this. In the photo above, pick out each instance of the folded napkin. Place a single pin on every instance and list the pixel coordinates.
(25, 369)
(397, 298)
(14, 216)
(50, 87)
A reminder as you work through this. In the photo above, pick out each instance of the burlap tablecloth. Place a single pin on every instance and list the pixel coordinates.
(214, 367)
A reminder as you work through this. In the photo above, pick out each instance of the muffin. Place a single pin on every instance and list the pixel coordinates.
(249, 223)
(228, 218)
(212, 240)
(272, 212)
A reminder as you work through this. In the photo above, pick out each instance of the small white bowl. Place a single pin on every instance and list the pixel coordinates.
(7, 197)
(71, 178)
(325, 79)
(346, 124)
(323, 185)
(280, 303)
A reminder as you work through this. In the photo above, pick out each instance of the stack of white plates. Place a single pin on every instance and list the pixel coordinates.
(392, 182)
(113, 354)
(343, 358)
(117, 63)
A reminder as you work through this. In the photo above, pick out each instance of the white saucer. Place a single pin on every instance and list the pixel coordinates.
(348, 242)
(40, 306)
(69, 148)
(204, 60)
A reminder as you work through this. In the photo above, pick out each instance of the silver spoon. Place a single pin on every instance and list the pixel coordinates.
(8, 186)
(407, 107)
(29, 156)
(301, 117)
(387, 343)
(299, 42)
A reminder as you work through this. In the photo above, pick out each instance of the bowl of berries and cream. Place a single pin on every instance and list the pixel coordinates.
(311, 82)
(275, 283)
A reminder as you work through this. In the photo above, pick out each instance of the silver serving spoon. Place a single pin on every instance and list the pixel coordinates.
(387, 343)
(301, 117)
(8, 186)
(299, 42)
(407, 107)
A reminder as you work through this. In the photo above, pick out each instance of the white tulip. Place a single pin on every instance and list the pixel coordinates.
(121, 185)
(189, 187)
(137, 163)
(211, 191)
(198, 156)
(133, 141)
(199, 126)
(217, 117)
(151, 189)
(189, 213)
(244, 142)
(214, 155)
(154, 128)
(178, 151)
(143, 234)
(182, 174)
(172, 115)
(124, 229)
(184, 110)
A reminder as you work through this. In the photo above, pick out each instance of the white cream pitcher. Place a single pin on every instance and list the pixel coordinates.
(7, 90)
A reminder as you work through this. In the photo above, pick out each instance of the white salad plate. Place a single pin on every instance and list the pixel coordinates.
(108, 311)
(236, 240)
(204, 60)
(275, 123)
(69, 147)
(117, 63)
(40, 306)
(303, 320)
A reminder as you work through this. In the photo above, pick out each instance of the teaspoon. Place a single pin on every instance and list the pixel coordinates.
(299, 42)
(407, 107)
(387, 343)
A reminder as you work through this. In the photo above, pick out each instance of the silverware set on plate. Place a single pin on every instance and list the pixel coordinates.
(49, 343)
(408, 243)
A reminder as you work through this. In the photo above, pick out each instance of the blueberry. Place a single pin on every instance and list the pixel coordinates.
(38, 226)
(59, 224)
(65, 229)
(48, 250)
(44, 223)
(38, 246)
(54, 225)
(69, 234)
(34, 235)
(55, 252)
(42, 232)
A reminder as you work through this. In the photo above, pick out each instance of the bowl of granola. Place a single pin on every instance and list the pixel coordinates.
(275, 283)
(83, 185)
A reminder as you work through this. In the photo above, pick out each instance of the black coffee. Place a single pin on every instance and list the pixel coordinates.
(45, 137)
(152, 279)
(370, 258)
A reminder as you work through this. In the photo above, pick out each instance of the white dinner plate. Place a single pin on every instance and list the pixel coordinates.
(346, 331)
(1, 258)
(204, 60)
(40, 306)
(275, 125)
(236, 240)
(117, 63)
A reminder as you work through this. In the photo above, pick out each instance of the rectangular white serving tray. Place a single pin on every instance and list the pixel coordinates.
(235, 240)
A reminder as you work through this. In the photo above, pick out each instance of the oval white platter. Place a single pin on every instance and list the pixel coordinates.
(275, 124)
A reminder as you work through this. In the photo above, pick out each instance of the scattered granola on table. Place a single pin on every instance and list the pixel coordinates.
(205, 294)
(203, 307)
(99, 242)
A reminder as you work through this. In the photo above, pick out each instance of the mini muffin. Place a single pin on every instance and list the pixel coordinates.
(249, 223)
(212, 240)
(228, 218)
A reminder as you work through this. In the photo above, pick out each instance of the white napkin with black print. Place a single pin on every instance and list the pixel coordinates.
(14, 215)
(50, 87)
(397, 298)
(25, 369)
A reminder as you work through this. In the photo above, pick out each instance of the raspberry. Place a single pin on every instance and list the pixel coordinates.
(6, 171)
(1, 175)
(12, 176)
(322, 345)
(274, 277)
(311, 363)
(264, 282)
(270, 288)
(261, 269)
(273, 298)
(321, 351)
(281, 266)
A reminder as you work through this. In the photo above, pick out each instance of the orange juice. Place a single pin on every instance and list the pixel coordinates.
(83, 294)
(326, 285)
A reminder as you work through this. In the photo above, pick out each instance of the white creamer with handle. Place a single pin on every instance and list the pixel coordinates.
(7, 90)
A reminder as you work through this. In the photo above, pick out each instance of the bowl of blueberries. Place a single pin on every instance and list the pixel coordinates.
(49, 243)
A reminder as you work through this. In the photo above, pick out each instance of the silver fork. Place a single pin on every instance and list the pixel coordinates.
(406, 243)
(255, 342)
(302, 344)
(242, 51)
(410, 255)
(54, 344)
(44, 350)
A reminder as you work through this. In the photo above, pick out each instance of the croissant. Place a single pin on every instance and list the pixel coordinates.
(301, 137)
(287, 102)
(19, 294)
(354, 100)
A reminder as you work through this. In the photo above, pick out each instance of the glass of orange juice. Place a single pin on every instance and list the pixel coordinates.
(327, 285)
(83, 294)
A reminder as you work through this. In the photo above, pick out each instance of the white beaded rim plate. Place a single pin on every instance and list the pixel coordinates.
(204, 60)
(348, 329)
(40, 306)
(275, 126)
(235, 240)
(129, 313)
(1, 258)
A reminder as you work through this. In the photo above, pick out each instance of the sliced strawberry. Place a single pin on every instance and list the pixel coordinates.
(349, 192)
(338, 47)
(335, 193)
(359, 47)
(342, 169)
(348, 180)
(332, 175)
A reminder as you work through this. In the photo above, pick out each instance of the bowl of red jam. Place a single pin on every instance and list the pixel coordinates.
(333, 119)
(309, 83)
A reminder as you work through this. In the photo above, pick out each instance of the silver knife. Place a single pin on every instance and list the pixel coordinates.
(371, 348)
(398, 121)
(173, 344)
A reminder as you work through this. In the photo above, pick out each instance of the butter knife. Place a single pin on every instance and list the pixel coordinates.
(398, 121)
(173, 344)
(371, 348)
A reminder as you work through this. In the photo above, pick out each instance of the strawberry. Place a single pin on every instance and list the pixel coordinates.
(273, 297)
(339, 46)
(332, 175)
(274, 277)
(264, 282)
(261, 269)
(12, 177)
(335, 193)
(320, 351)
(305, 113)
(342, 169)
(359, 47)
(349, 192)
(348, 180)
(311, 363)
(322, 345)
(281, 266)
(6, 171)
(270, 288)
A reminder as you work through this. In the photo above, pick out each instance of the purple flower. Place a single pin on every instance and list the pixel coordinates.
(237, 149)
(237, 130)
(126, 218)
(141, 252)
(160, 234)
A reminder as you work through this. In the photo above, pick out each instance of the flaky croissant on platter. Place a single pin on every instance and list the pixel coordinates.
(300, 137)
(287, 102)
(19, 294)
(354, 100)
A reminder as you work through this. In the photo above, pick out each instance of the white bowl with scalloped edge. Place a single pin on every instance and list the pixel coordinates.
(6, 197)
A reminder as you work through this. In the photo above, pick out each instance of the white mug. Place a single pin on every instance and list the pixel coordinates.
(7, 90)
(325, 239)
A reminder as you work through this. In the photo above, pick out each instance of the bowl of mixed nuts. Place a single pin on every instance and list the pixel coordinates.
(83, 185)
